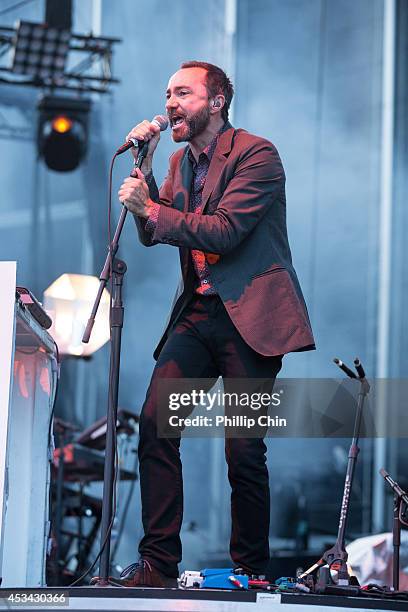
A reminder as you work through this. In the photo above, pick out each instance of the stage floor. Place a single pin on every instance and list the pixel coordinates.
(177, 600)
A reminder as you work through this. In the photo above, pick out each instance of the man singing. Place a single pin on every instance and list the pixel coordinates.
(238, 310)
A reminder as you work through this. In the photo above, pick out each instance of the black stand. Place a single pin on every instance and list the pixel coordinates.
(61, 428)
(399, 497)
(337, 555)
(59, 501)
(396, 542)
(116, 325)
(117, 312)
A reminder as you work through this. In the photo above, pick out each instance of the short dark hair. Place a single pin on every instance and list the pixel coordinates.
(217, 83)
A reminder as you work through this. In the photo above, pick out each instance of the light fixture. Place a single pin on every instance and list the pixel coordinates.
(68, 301)
(62, 131)
(61, 124)
(40, 51)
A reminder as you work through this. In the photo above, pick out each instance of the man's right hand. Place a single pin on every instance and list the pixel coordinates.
(149, 132)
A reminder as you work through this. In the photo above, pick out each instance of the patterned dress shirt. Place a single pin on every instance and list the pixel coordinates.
(200, 171)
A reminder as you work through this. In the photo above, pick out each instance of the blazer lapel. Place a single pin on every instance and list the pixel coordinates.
(217, 163)
(186, 173)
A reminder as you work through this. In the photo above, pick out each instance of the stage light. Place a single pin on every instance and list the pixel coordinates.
(68, 301)
(62, 132)
(38, 46)
(61, 124)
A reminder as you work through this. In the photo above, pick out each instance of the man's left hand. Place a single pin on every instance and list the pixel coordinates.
(134, 194)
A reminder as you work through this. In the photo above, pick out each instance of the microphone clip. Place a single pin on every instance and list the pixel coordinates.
(141, 155)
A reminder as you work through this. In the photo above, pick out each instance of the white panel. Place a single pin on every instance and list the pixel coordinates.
(27, 393)
(7, 295)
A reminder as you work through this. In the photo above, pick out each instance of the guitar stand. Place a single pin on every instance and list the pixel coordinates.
(336, 557)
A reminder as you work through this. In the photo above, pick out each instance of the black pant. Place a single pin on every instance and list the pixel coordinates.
(204, 344)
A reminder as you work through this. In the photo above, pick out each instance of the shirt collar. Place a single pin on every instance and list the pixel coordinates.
(210, 148)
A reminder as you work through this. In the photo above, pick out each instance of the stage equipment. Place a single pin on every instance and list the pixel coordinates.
(336, 557)
(223, 578)
(61, 430)
(115, 270)
(74, 467)
(68, 301)
(190, 579)
(85, 465)
(399, 497)
(69, 503)
(94, 436)
(30, 302)
(81, 519)
(62, 131)
(49, 56)
(40, 51)
(28, 383)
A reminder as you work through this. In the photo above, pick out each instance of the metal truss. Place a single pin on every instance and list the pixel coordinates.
(90, 59)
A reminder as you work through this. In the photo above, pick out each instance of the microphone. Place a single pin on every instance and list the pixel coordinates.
(160, 120)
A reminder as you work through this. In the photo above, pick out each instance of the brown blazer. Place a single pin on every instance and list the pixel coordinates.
(242, 229)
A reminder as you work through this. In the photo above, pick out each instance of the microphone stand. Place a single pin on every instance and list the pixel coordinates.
(399, 497)
(337, 555)
(116, 325)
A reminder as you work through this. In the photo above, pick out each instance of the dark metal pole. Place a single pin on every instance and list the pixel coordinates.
(105, 274)
(117, 272)
(351, 465)
(399, 496)
(396, 541)
(119, 269)
(59, 503)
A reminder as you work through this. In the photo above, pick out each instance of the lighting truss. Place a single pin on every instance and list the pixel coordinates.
(36, 55)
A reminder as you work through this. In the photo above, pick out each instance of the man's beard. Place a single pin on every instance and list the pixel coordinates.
(194, 125)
